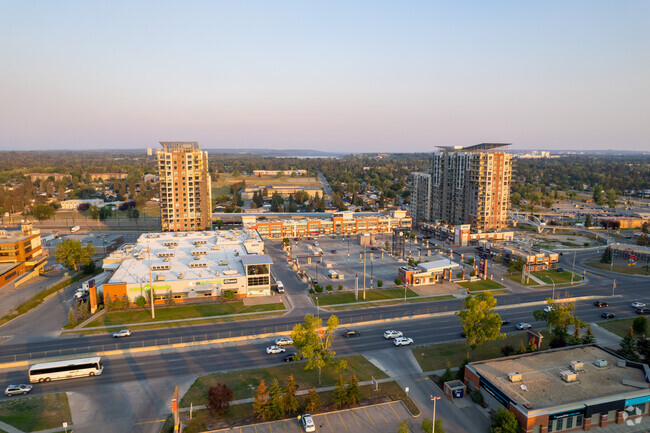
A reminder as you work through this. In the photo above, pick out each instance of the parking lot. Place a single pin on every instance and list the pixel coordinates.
(384, 417)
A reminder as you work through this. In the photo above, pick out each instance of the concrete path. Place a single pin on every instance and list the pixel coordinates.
(605, 338)
(8, 428)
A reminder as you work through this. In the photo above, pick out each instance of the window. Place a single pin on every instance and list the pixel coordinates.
(258, 281)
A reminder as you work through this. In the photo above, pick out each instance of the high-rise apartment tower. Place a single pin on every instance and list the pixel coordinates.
(464, 185)
(185, 193)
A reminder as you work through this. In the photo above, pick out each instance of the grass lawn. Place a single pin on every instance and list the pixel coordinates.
(244, 382)
(371, 295)
(517, 279)
(480, 285)
(550, 275)
(181, 312)
(618, 326)
(358, 305)
(437, 356)
(639, 269)
(36, 413)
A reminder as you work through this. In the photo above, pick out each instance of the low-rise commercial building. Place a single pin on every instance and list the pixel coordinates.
(74, 204)
(20, 252)
(190, 266)
(532, 261)
(284, 190)
(431, 272)
(567, 389)
(276, 172)
(462, 234)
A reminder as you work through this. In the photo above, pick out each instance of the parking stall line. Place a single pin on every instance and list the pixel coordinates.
(382, 415)
(285, 426)
(391, 406)
(342, 422)
(328, 423)
(364, 409)
(355, 417)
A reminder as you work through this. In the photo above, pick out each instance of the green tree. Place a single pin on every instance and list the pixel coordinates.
(598, 195)
(611, 197)
(504, 421)
(261, 401)
(93, 211)
(588, 338)
(339, 395)
(312, 402)
(607, 256)
(169, 299)
(403, 427)
(480, 322)
(516, 266)
(427, 426)
(380, 283)
(289, 399)
(315, 346)
(276, 403)
(398, 282)
(72, 318)
(70, 253)
(353, 393)
(627, 347)
(558, 318)
(588, 221)
(105, 212)
(43, 212)
(277, 203)
(141, 301)
(640, 325)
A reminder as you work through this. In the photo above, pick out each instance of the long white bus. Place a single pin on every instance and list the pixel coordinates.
(66, 369)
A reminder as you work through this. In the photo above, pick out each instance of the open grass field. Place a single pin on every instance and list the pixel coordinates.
(619, 327)
(357, 305)
(639, 269)
(550, 275)
(244, 382)
(180, 312)
(480, 285)
(437, 356)
(371, 295)
(36, 413)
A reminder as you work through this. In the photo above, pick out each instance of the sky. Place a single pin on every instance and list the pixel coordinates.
(344, 76)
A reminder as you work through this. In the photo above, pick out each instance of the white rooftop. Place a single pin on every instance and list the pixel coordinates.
(192, 255)
(439, 262)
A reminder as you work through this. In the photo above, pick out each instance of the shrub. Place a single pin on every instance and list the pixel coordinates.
(504, 421)
(507, 350)
(169, 300)
(219, 398)
(319, 289)
(398, 282)
(329, 288)
(476, 396)
(141, 301)
(229, 294)
(380, 283)
(447, 375)
(640, 325)
(89, 268)
(340, 287)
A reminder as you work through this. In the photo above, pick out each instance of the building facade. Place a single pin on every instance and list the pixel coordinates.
(185, 192)
(420, 197)
(20, 252)
(468, 185)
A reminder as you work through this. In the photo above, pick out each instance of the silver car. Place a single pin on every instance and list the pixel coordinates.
(17, 389)
(122, 333)
(392, 334)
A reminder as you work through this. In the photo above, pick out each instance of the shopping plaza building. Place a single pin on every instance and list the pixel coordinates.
(190, 266)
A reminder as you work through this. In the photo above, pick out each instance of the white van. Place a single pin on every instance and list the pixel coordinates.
(280, 286)
(333, 274)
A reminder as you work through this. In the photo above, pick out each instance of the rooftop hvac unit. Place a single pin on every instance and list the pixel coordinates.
(577, 365)
(621, 363)
(166, 259)
(600, 363)
(160, 278)
(569, 376)
(197, 257)
(514, 376)
(181, 276)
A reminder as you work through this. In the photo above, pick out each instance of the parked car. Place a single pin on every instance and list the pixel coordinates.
(307, 423)
(524, 325)
(403, 341)
(290, 357)
(638, 305)
(283, 341)
(351, 333)
(643, 311)
(608, 315)
(275, 349)
(392, 334)
(122, 333)
(601, 304)
(17, 389)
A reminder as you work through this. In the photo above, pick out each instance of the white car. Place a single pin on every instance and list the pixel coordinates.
(122, 333)
(392, 334)
(307, 423)
(275, 349)
(403, 341)
(17, 389)
(638, 305)
(548, 309)
(283, 341)
(524, 325)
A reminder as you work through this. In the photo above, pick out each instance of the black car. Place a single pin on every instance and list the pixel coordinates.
(643, 311)
(351, 333)
(608, 315)
(505, 322)
(601, 304)
(290, 357)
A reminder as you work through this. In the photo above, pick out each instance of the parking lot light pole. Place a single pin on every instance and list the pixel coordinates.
(553, 296)
(434, 398)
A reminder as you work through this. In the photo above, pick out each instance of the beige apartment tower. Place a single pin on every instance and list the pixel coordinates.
(185, 193)
(467, 185)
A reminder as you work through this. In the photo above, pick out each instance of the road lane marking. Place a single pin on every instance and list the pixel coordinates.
(364, 409)
(255, 428)
(391, 406)
(346, 427)
(284, 424)
(149, 422)
(328, 423)
(421, 379)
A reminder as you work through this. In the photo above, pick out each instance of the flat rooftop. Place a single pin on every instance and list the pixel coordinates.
(544, 386)
(437, 262)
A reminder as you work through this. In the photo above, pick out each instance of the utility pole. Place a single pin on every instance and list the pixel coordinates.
(364, 272)
(151, 291)
(434, 399)
(574, 266)
(356, 287)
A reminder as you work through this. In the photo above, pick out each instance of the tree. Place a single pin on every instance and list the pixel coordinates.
(643, 349)
(607, 256)
(105, 212)
(640, 325)
(403, 427)
(126, 302)
(289, 399)
(588, 338)
(611, 197)
(219, 398)
(480, 322)
(398, 282)
(380, 283)
(169, 299)
(516, 266)
(43, 212)
(353, 393)
(627, 347)
(277, 203)
(339, 395)
(559, 317)
(598, 195)
(314, 344)
(71, 253)
(93, 211)
(427, 426)
(312, 403)
(72, 318)
(261, 400)
(141, 301)
(504, 421)
(276, 403)
(588, 221)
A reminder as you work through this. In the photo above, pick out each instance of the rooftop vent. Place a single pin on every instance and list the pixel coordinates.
(514, 376)
(569, 376)
(621, 363)
(600, 363)
(181, 276)
(577, 365)
(160, 278)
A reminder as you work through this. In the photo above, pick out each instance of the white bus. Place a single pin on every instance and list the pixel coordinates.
(66, 369)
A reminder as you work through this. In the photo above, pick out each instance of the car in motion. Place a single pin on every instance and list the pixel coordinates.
(17, 389)
(392, 334)
(638, 305)
(283, 341)
(351, 333)
(523, 325)
(403, 341)
(548, 308)
(608, 315)
(122, 333)
(601, 304)
(290, 357)
(505, 322)
(275, 349)
(643, 311)
(307, 423)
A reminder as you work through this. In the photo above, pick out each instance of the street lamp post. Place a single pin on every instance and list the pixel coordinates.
(317, 307)
(434, 398)
(553, 287)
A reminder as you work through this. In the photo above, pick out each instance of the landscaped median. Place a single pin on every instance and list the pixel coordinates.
(40, 412)
(244, 383)
(333, 301)
(481, 285)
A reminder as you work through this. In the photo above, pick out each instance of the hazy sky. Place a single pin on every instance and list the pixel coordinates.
(327, 75)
